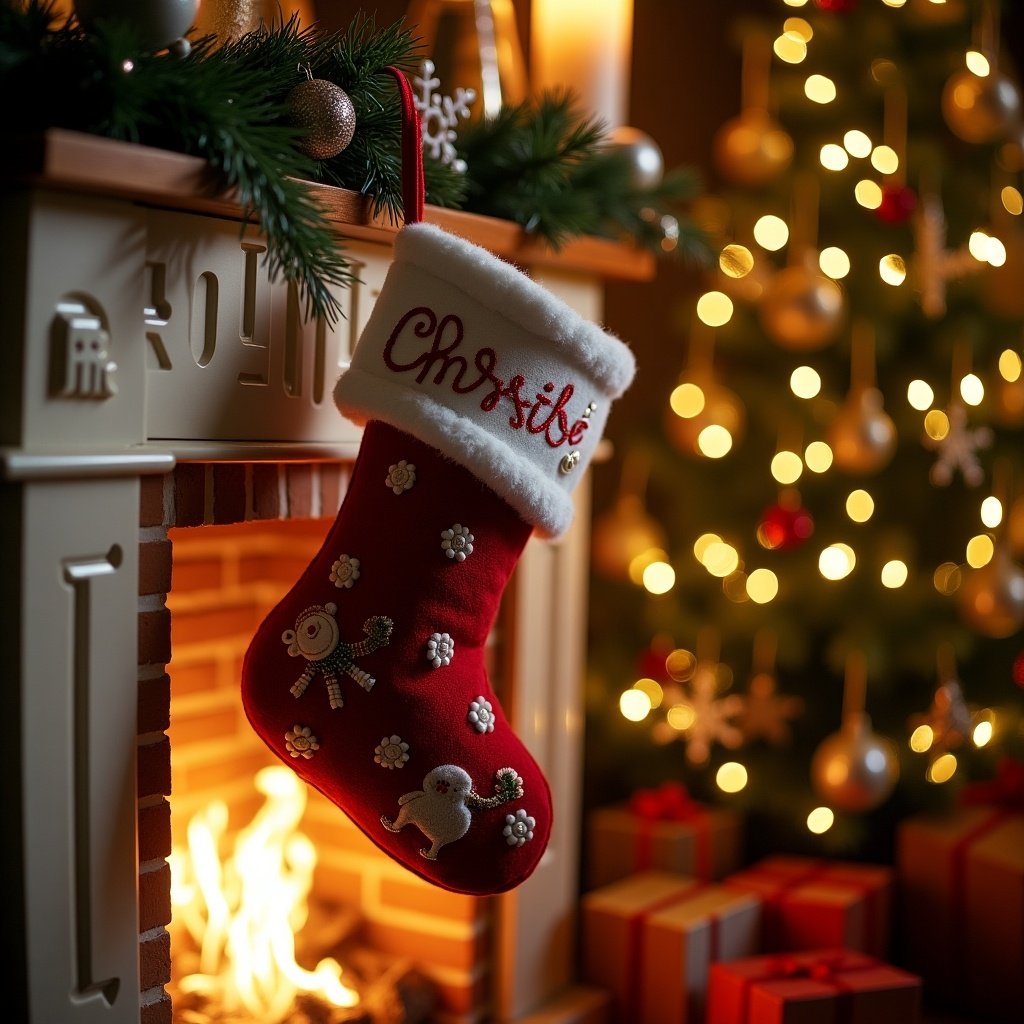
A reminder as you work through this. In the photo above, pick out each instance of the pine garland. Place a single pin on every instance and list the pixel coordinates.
(541, 165)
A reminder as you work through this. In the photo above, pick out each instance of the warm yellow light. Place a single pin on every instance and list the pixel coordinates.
(635, 705)
(652, 688)
(734, 586)
(942, 769)
(820, 820)
(837, 561)
(972, 391)
(720, 559)
(936, 424)
(787, 467)
(860, 506)
(982, 733)
(1013, 201)
(714, 309)
(731, 777)
(991, 512)
(977, 63)
(681, 716)
(659, 578)
(805, 382)
(687, 400)
(868, 193)
(736, 261)
(947, 578)
(820, 89)
(702, 543)
(795, 3)
(681, 664)
(920, 395)
(639, 562)
(894, 574)
(790, 47)
(833, 157)
(977, 245)
(834, 262)
(714, 441)
(884, 160)
(921, 739)
(1009, 365)
(771, 232)
(857, 143)
(818, 457)
(892, 269)
(979, 550)
(894, 3)
(762, 586)
(996, 252)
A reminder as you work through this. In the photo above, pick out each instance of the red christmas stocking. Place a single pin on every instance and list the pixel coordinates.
(483, 397)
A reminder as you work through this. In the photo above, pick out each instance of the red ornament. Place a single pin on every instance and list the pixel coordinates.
(1018, 670)
(784, 526)
(898, 203)
(836, 6)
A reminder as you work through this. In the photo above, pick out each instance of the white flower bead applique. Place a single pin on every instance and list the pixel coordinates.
(457, 542)
(440, 649)
(401, 476)
(518, 828)
(391, 752)
(481, 715)
(344, 571)
(299, 741)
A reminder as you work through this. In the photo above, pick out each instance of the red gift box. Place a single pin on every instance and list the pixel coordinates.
(662, 829)
(814, 904)
(833, 986)
(962, 898)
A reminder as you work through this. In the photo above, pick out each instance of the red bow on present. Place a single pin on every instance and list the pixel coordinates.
(1006, 790)
(667, 802)
(822, 968)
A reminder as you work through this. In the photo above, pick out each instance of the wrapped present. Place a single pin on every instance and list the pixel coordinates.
(824, 986)
(813, 904)
(662, 829)
(961, 878)
(612, 932)
(681, 942)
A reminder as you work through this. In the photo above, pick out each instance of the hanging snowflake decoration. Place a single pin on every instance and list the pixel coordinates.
(767, 712)
(713, 717)
(958, 450)
(440, 116)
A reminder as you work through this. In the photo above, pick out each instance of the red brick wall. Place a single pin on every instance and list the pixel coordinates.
(262, 523)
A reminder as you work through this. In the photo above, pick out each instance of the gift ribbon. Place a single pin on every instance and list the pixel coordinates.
(1006, 790)
(669, 802)
(413, 186)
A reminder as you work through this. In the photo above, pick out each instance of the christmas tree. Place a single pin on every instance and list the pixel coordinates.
(824, 515)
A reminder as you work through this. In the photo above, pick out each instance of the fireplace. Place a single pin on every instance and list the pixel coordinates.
(162, 397)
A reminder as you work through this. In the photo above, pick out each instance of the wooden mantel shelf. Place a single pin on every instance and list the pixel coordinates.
(73, 161)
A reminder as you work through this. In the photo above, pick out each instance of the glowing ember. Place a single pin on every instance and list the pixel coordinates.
(243, 914)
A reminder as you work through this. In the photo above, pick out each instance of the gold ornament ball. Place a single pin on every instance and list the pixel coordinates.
(801, 310)
(228, 20)
(855, 769)
(980, 109)
(752, 149)
(646, 164)
(622, 534)
(722, 408)
(158, 23)
(327, 114)
(991, 599)
(862, 436)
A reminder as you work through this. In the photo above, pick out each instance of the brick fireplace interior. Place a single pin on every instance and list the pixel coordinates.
(220, 543)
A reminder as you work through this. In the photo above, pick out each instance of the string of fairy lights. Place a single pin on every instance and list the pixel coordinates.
(708, 420)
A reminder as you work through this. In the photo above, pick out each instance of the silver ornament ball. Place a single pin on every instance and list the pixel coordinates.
(326, 113)
(855, 769)
(646, 164)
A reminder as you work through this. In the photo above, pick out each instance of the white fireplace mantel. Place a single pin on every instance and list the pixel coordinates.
(140, 328)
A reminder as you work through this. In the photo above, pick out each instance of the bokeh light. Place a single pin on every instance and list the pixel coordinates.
(731, 777)
(659, 578)
(818, 457)
(771, 232)
(894, 574)
(920, 395)
(860, 506)
(820, 820)
(635, 705)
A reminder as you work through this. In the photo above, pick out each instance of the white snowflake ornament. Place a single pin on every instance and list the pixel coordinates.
(958, 450)
(518, 828)
(481, 715)
(439, 116)
(713, 716)
(440, 649)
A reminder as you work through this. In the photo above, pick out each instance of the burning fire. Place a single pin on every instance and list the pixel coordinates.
(243, 914)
